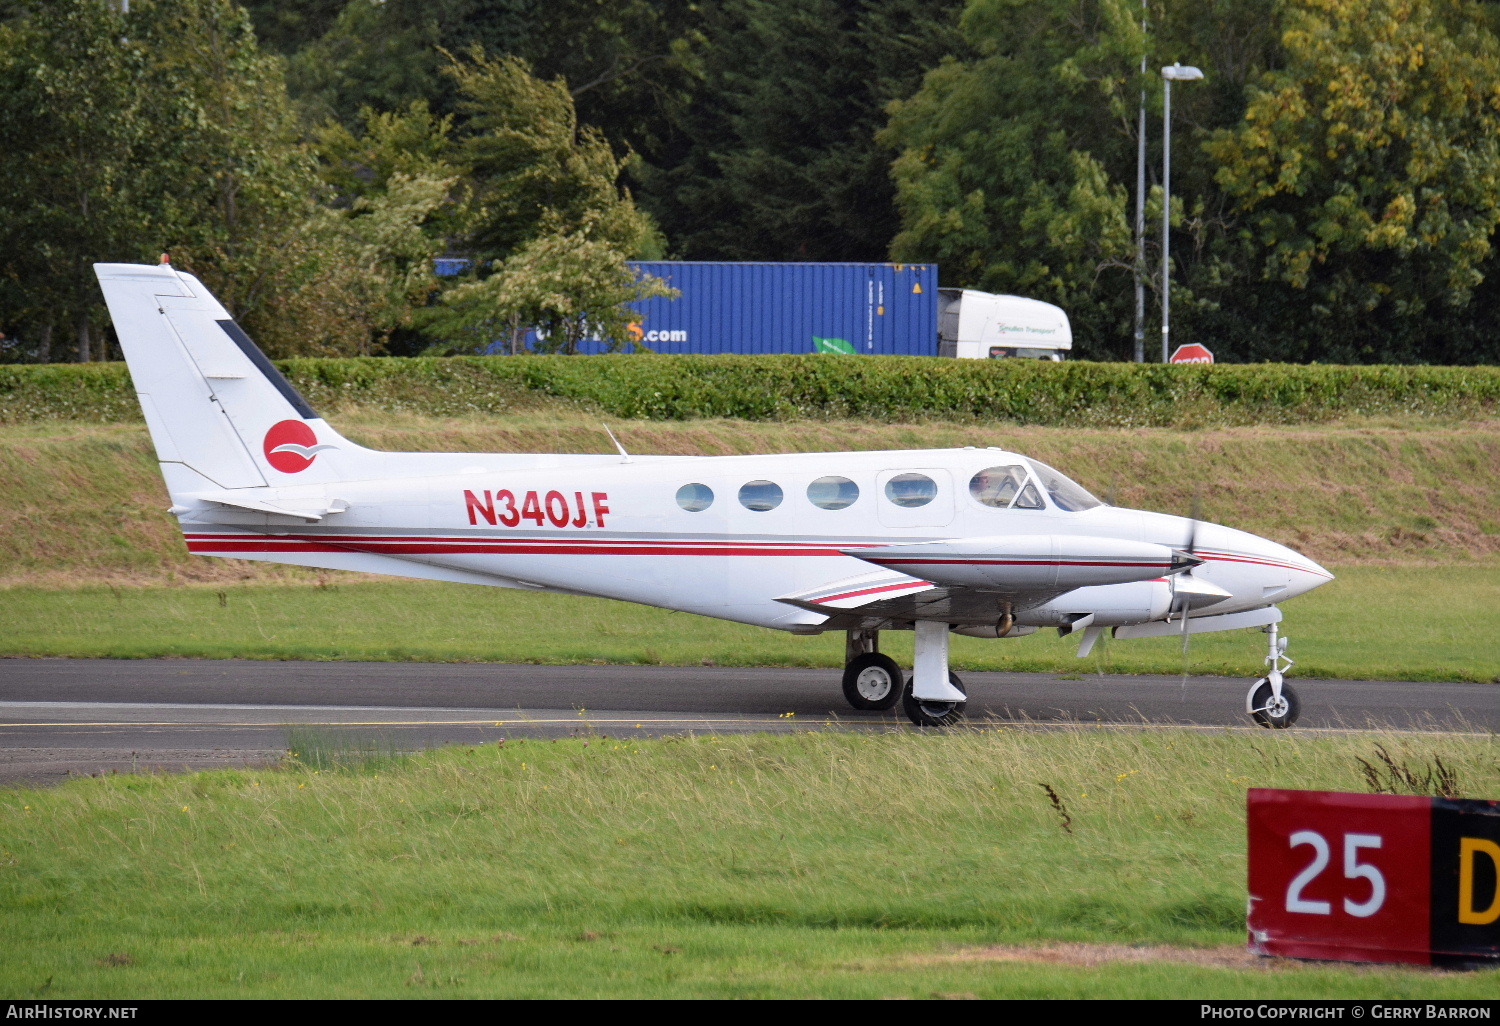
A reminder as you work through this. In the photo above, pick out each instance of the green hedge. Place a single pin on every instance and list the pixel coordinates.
(782, 387)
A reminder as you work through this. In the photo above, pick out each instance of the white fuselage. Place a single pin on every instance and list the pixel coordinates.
(598, 525)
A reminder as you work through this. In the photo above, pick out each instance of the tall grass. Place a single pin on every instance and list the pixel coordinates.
(824, 863)
(346, 751)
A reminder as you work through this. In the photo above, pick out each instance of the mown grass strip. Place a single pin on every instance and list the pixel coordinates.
(657, 387)
(821, 864)
(1400, 623)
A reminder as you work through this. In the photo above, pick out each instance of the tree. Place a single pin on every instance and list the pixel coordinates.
(76, 131)
(567, 285)
(1366, 172)
(546, 216)
(252, 214)
(533, 168)
(782, 162)
(1002, 173)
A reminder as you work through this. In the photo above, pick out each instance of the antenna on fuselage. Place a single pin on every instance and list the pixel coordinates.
(624, 456)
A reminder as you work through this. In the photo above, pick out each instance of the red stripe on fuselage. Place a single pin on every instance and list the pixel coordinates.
(898, 561)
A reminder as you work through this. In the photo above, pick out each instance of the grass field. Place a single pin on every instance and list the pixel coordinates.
(822, 864)
(1381, 622)
(819, 864)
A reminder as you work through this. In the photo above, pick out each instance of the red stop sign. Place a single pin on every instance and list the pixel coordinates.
(1192, 353)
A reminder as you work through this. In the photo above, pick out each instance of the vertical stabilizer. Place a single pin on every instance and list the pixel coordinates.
(217, 409)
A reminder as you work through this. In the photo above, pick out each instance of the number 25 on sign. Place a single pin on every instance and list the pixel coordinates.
(1373, 878)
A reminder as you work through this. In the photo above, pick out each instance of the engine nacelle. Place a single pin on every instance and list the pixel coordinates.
(1031, 562)
(1112, 605)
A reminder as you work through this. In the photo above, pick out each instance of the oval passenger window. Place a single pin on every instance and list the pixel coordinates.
(695, 498)
(832, 492)
(760, 495)
(911, 490)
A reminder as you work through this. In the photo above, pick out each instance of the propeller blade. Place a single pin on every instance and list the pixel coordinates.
(1196, 515)
(1190, 552)
(1182, 561)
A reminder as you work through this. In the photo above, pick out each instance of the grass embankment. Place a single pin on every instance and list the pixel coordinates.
(1402, 623)
(826, 865)
(1404, 512)
(83, 503)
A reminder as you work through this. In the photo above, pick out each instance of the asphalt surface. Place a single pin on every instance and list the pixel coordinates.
(63, 717)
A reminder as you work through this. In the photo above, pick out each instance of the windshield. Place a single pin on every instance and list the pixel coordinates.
(1066, 493)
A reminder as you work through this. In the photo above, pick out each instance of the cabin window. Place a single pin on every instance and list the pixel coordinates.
(911, 490)
(695, 498)
(997, 486)
(1066, 493)
(832, 492)
(760, 495)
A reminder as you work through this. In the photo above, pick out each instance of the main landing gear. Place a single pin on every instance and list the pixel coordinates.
(872, 681)
(1271, 702)
(933, 697)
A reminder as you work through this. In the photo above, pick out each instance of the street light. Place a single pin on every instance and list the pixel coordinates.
(1140, 209)
(1171, 73)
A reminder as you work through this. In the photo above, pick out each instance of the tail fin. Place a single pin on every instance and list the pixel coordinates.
(220, 415)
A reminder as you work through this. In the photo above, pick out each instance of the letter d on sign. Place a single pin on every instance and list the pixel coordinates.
(1470, 848)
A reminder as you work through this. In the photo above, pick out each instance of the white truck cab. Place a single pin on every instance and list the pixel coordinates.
(980, 325)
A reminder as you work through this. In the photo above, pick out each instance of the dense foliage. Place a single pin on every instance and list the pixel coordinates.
(1334, 196)
(656, 387)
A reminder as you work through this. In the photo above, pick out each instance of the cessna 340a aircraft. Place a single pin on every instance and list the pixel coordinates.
(980, 542)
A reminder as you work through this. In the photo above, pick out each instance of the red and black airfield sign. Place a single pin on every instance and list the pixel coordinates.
(1373, 877)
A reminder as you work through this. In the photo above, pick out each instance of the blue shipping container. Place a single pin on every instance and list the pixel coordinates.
(872, 309)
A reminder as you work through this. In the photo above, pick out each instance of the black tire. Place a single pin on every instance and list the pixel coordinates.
(1277, 717)
(934, 714)
(873, 682)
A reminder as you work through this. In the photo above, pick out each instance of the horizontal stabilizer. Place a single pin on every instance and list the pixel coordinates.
(304, 509)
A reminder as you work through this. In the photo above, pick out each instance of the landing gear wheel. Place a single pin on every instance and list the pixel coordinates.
(1275, 713)
(872, 681)
(928, 713)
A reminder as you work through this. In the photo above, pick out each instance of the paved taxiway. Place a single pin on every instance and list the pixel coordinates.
(70, 716)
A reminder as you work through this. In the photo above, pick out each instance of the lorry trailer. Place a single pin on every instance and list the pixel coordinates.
(859, 309)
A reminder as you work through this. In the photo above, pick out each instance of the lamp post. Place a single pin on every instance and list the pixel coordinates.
(1140, 210)
(1171, 73)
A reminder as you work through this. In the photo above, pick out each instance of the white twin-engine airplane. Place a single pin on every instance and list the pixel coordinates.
(980, 542)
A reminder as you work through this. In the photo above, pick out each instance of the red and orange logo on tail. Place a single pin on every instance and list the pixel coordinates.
(291, 446)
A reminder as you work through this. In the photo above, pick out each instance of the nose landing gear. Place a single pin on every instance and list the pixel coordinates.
(1271, 702)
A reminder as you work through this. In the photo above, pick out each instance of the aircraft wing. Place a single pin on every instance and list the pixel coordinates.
(970, 581)
(870, 601)
(1027, 566)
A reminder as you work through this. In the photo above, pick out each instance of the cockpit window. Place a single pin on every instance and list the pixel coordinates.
(1030, 498)
(997, 486)
(1066, 493)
